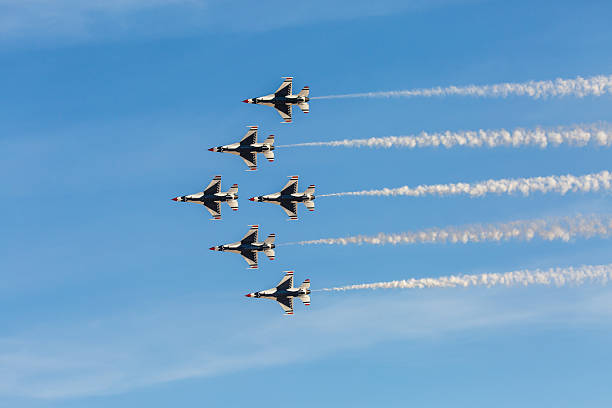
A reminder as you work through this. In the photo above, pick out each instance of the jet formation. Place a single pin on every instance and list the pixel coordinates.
(282, 99)
(248, 247)
(247, 148)
(284, 293)
(212, 197)
(288, 198)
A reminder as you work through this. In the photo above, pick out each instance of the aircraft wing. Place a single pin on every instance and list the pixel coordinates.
(251, 236)
(285, 88)
(214, 208)
(286, 282)
(290, 208)
(284, 109)
(251, 258)
(250, 137)
(291, 187)
(250, 158)
(286, 303)
(214, 186)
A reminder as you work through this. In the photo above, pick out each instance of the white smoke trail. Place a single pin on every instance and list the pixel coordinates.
(525, 186)
(598, 134)
(564, 229)
(579, 87)
(554, 276)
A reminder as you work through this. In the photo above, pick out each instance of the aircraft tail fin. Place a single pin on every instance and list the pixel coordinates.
(304, 92)
(270, 239)
(305, 299)
(269, 140)
(233, 189)
(270, 254)
(310, 190)
(305, 284)
(233, 204)
(304, 107)
(269, 154)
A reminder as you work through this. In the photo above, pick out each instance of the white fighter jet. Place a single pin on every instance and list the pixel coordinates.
(284, 293)
(288, 198)
(248, 247)
(247, 148)
(282, 100)
(212, 197)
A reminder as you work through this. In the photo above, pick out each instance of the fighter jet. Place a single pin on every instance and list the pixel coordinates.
(284, 293)
(288, 198)
(248, 148)
(212, 197)
(282, 100)
(248, 247)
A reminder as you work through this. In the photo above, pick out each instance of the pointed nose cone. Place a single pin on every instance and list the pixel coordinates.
(175, 199)
(212, 248)
(252, 199)
(212, 149)
(249, 295)
(246, 101)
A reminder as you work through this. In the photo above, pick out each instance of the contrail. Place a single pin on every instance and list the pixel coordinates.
(579, 87)
(597, 134)
(553, 276)
(525, 186)
(563, 229)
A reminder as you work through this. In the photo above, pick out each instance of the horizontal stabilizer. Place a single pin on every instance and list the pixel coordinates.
(304, 106)
(270, 254)
(233, 189)
(305, 299)
(304, 92)
(268, 154)
(270, 239)
(310, 190)
(309, 205)
(305, 284)
(269, 140)
(233, 204)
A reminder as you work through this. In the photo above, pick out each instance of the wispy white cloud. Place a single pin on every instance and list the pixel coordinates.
(78, 20)
(149, 346)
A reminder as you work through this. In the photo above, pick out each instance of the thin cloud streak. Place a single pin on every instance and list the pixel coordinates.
(596, 134)
(578, 87)
(555, 276)
(551, 184)
(550, 229)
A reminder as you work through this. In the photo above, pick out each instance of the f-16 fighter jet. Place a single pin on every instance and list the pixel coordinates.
(288, 198)
(212, 197)
(248, 148)
(248, 247)
(282, 100)
(284, 293)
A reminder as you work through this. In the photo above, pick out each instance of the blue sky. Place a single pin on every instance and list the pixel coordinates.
(110, 295)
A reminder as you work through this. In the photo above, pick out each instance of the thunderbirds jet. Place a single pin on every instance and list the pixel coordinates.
(284, 293)
(248, 247)
(212, 197)
(288, 198)
(248, 148)
(282, 100)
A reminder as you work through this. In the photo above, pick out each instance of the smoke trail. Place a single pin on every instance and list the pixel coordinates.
(579, 87)
(551, 229)
(525, 186)
(597, 134)
(554, 276)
